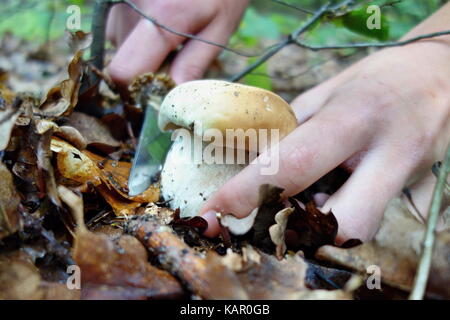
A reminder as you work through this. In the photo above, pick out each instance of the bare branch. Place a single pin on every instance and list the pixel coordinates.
(373, 44)
(288, 40)
(330, 11)
(101, 11)
(423, 270)
(292, 6)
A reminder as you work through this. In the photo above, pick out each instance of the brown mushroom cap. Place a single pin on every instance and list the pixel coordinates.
(214, 104)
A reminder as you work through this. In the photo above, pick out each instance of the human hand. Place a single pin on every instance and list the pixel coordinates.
(143, 47)
(386, 118)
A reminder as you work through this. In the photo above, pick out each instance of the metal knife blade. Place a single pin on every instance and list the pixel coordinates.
(150, 153)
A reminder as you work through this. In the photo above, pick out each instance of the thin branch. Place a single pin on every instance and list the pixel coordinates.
(330, 11)
(292, 6)
(261, 60)
(288, 40)
(391, 3)
(423, 270)
(183, 34)
(101, 12)
(373, 44)
(408, 195)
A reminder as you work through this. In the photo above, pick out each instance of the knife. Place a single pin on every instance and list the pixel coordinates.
(152, 147)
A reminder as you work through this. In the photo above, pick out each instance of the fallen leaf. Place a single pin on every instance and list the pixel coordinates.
(74, 164)
(121, 265)
(109, 177)
(264, 277)
(62, 99)
(197, 222)
(277, 230)
(73, 136)
(269, 204)
(396, 251)
(8, 117)
(21, 280)
(115, 175)
(78, 40)
(94, 131)
(10, 220)
(312, 228)
(45, 167)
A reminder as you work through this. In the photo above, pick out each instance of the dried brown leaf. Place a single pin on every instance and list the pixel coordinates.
(62, 99)
(8, 117)
(21, 280)
(10, 220)
(94, 131)
(110, 177)
(122, 266)
(78, 40)
(277, 231)
(396, 250)
(312, 228)
(73, 136)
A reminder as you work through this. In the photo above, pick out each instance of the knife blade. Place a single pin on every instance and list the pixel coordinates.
(151, 151)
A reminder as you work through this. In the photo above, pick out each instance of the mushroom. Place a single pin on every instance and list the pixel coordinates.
(206, 109)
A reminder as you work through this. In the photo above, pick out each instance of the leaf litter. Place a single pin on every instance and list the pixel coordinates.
(64, 201)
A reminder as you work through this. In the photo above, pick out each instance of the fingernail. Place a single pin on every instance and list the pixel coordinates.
(213, 223)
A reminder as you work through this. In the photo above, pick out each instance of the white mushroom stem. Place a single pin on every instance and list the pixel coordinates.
(188, 183)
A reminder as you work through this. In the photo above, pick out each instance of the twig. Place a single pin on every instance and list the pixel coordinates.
(391, 3)
(101, 11)
(292, 6)
(436, 169)
(261, 60)
(330, 11)
(288, 40)
(407, 193)
(423, 270)
(374, 44)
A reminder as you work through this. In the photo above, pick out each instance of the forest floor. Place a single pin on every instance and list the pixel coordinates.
(64, 204)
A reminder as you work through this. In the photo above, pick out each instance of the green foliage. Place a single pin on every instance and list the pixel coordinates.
(40, 20)
(357, 21)
(259, 77)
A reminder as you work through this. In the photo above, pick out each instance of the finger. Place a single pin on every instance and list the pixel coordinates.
(308, 153)
(360, 203)
(143, 51)
(310, 102)
(195, 57)
(121, 21)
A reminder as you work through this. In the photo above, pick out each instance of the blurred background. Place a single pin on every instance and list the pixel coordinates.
(43, 23)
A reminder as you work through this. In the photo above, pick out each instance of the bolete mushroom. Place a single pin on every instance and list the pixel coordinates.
(209, 110)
